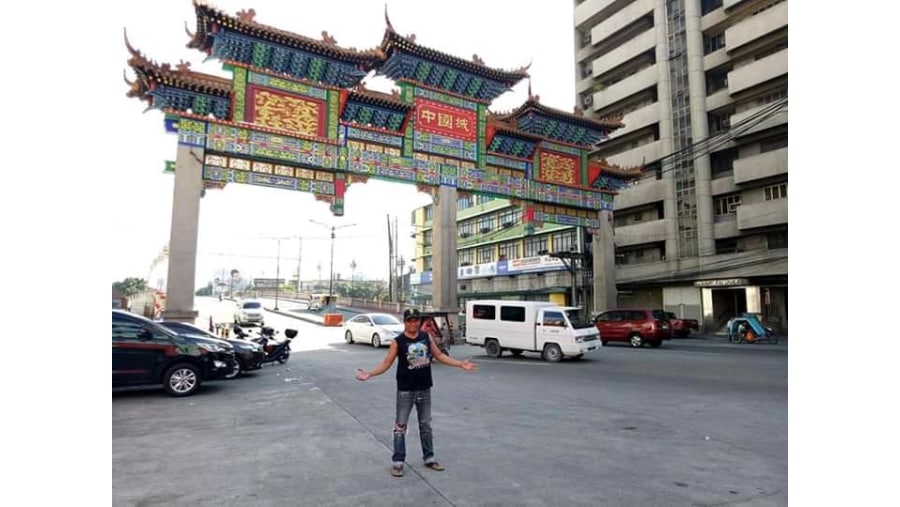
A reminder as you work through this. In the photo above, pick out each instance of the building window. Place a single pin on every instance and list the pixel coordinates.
(722, 162)
(726, 246)
(486, 224)
(466, 257)
(712, 43)
(718, 122)
(726, 206)
(463, 203)
(426, 263)
(707, 6)
(776, 192)
(564, 241)
(510, 217)
(466, 229)
(509, 250)
(773, 144)
(485, 254)
(772, 97)
(429, 212)
(482, 199)
(427, 238)
(777, 239)
(535, 246)
(717, 80)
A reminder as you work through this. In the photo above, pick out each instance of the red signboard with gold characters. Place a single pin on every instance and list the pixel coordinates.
(285, 111)
(559, 168)
(446, 120)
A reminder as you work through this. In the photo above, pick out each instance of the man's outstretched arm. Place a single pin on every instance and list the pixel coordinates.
(449, 361)
(382, 367)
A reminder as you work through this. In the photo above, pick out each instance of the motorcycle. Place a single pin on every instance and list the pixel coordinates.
(747, 328)
(275, 350)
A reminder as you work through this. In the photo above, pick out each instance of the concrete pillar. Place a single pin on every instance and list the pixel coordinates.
(604, 251)
(664, 101)
(444, 256)
(753, 300)
(706, 302)
(699, 129)
(183, 235)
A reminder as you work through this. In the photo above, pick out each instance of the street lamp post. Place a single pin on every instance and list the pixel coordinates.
(277, 272)
(331, 269)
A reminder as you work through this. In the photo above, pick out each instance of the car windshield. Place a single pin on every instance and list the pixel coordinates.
(578, 319)
(252, 304)
(660, 315)
(671, 315)
(384, 320)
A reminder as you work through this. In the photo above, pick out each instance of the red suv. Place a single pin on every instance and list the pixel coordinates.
(636, 326)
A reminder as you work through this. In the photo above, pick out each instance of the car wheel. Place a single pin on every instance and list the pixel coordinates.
(552, 353)
(735, 337)
(348, 337)
(656, 344)
(603, 342)
(493, 348)
(637, 341)
(376, 341)
(182, 380)
(238, 369)
(284, 358)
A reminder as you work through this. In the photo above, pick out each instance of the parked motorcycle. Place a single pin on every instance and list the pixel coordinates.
(275, 350)
(747, 328)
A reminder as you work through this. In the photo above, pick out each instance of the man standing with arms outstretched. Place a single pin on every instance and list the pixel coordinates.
(415, 351)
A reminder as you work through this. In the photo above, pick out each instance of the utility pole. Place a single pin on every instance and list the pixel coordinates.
(277, 272)
(299, 253)
(331, 271)
(352, 275)
(390, 260)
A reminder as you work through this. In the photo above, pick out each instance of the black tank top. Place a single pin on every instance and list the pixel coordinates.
(414, 362)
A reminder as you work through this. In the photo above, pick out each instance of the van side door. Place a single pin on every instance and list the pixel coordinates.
(550, 327)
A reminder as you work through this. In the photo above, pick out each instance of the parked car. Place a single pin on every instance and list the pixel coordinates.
(636, 326)
(681, 328)
(250, 311)
(146, 353)
(374, 328)
(248, 355)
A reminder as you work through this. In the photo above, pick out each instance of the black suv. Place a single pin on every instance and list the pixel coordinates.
(145, 353)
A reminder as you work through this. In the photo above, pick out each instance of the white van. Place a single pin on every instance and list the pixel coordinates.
(535, 326)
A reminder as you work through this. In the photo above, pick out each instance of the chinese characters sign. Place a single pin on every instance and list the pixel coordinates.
(286, 112)
(446, 120)
(559, 168)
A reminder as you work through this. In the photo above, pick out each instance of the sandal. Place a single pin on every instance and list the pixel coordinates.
(397, 471)
(434, 465)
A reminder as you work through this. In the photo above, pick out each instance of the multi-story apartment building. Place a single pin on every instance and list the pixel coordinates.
(497, 259)
(701, 86)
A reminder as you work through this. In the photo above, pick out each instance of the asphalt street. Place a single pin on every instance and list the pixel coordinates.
(691, 423)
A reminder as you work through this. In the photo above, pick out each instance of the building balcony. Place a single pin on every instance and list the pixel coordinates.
(648, 153)
(775, 120)
(628, 273)
(621, 19)
(712, 19)
(725, 228)
(715, 59)
(763, 214)
(754, 27)
(719, 99)
(643, 117)
(645, 192)
(626, 87)
(760, 71)
(731, 4)
(764, 165)
(639, 233)
(636, 46)
(585, 10)
(721, 186)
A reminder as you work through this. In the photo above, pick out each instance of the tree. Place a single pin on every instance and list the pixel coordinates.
(130, 286)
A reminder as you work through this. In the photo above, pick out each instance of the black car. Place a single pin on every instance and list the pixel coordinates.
(249, 355)
(146, 353)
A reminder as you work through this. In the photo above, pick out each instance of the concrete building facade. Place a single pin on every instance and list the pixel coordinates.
(701, 86)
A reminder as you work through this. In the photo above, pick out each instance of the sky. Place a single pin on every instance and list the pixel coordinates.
(239, 223)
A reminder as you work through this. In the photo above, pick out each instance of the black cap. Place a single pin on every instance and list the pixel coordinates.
(410, 313)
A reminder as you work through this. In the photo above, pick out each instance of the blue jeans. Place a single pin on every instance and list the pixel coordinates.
(405, 402)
